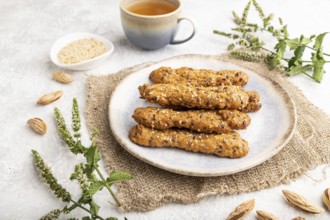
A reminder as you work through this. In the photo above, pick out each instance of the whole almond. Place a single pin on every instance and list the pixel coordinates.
(326, 198)
(38, 125)
(262, 215)
(49, 98)
(299, 218)
(62, 77)
(242, 210)
(301, 202)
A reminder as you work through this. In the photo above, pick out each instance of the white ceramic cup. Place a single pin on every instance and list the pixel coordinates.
(152, 31)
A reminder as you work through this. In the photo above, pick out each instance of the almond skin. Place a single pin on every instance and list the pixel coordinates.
(301, 202)
(242, 210)
(38, 125)
(62, 77)
(49, 98)
(262, 215)
(326, 198)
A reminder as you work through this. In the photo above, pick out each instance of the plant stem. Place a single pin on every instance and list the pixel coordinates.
(108, 187)
(308, 75)
(285, 59)
(82, 207)
(263, 29)
(326, 54)
(309, 61)
(268, 50)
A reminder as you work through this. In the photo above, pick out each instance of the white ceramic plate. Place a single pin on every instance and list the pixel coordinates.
(85, 65)
(270, 129)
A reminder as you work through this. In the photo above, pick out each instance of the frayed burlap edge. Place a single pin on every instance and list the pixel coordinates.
(152, 187)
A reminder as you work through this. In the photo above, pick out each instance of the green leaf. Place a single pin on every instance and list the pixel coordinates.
(85, 198)
(92, 156)
(86, 218)
(299, 69)
(318, 64)
(93, 178)
(319, 41)
(285, 31)
(292, 43)
(95, 187)
(280, 48)
(94, 208)
(118, 176)
(270, 28)
(304, 40)
(295, 61)
(281, 21)
(299, 52)
(272, 61)
(88, 170)
(112, 218)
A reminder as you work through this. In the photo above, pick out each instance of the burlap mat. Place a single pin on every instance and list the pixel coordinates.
(152, 187)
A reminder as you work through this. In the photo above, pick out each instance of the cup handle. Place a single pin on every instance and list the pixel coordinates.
(188, 38)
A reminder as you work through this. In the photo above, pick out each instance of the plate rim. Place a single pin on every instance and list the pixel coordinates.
(288, 134)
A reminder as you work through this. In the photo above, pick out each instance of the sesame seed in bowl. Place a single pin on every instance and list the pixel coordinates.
(80, 51)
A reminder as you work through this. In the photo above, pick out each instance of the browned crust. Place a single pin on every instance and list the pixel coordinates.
(254, 102)
(252, 107)
(222, 97)
(223, 145)
(207, 121)
(198, 77)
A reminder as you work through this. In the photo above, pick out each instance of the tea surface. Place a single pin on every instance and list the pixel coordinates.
(149, 7)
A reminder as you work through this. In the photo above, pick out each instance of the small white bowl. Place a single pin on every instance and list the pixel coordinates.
(85, 65)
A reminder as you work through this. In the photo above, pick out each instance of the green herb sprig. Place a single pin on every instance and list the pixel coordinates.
(247, 46)
(88, 174)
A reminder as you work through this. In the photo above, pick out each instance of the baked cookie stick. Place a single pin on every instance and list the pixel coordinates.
(198, 77)
(254, 102)
(206, 121)
(222, 97)
(253, 105)
(223, 145)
